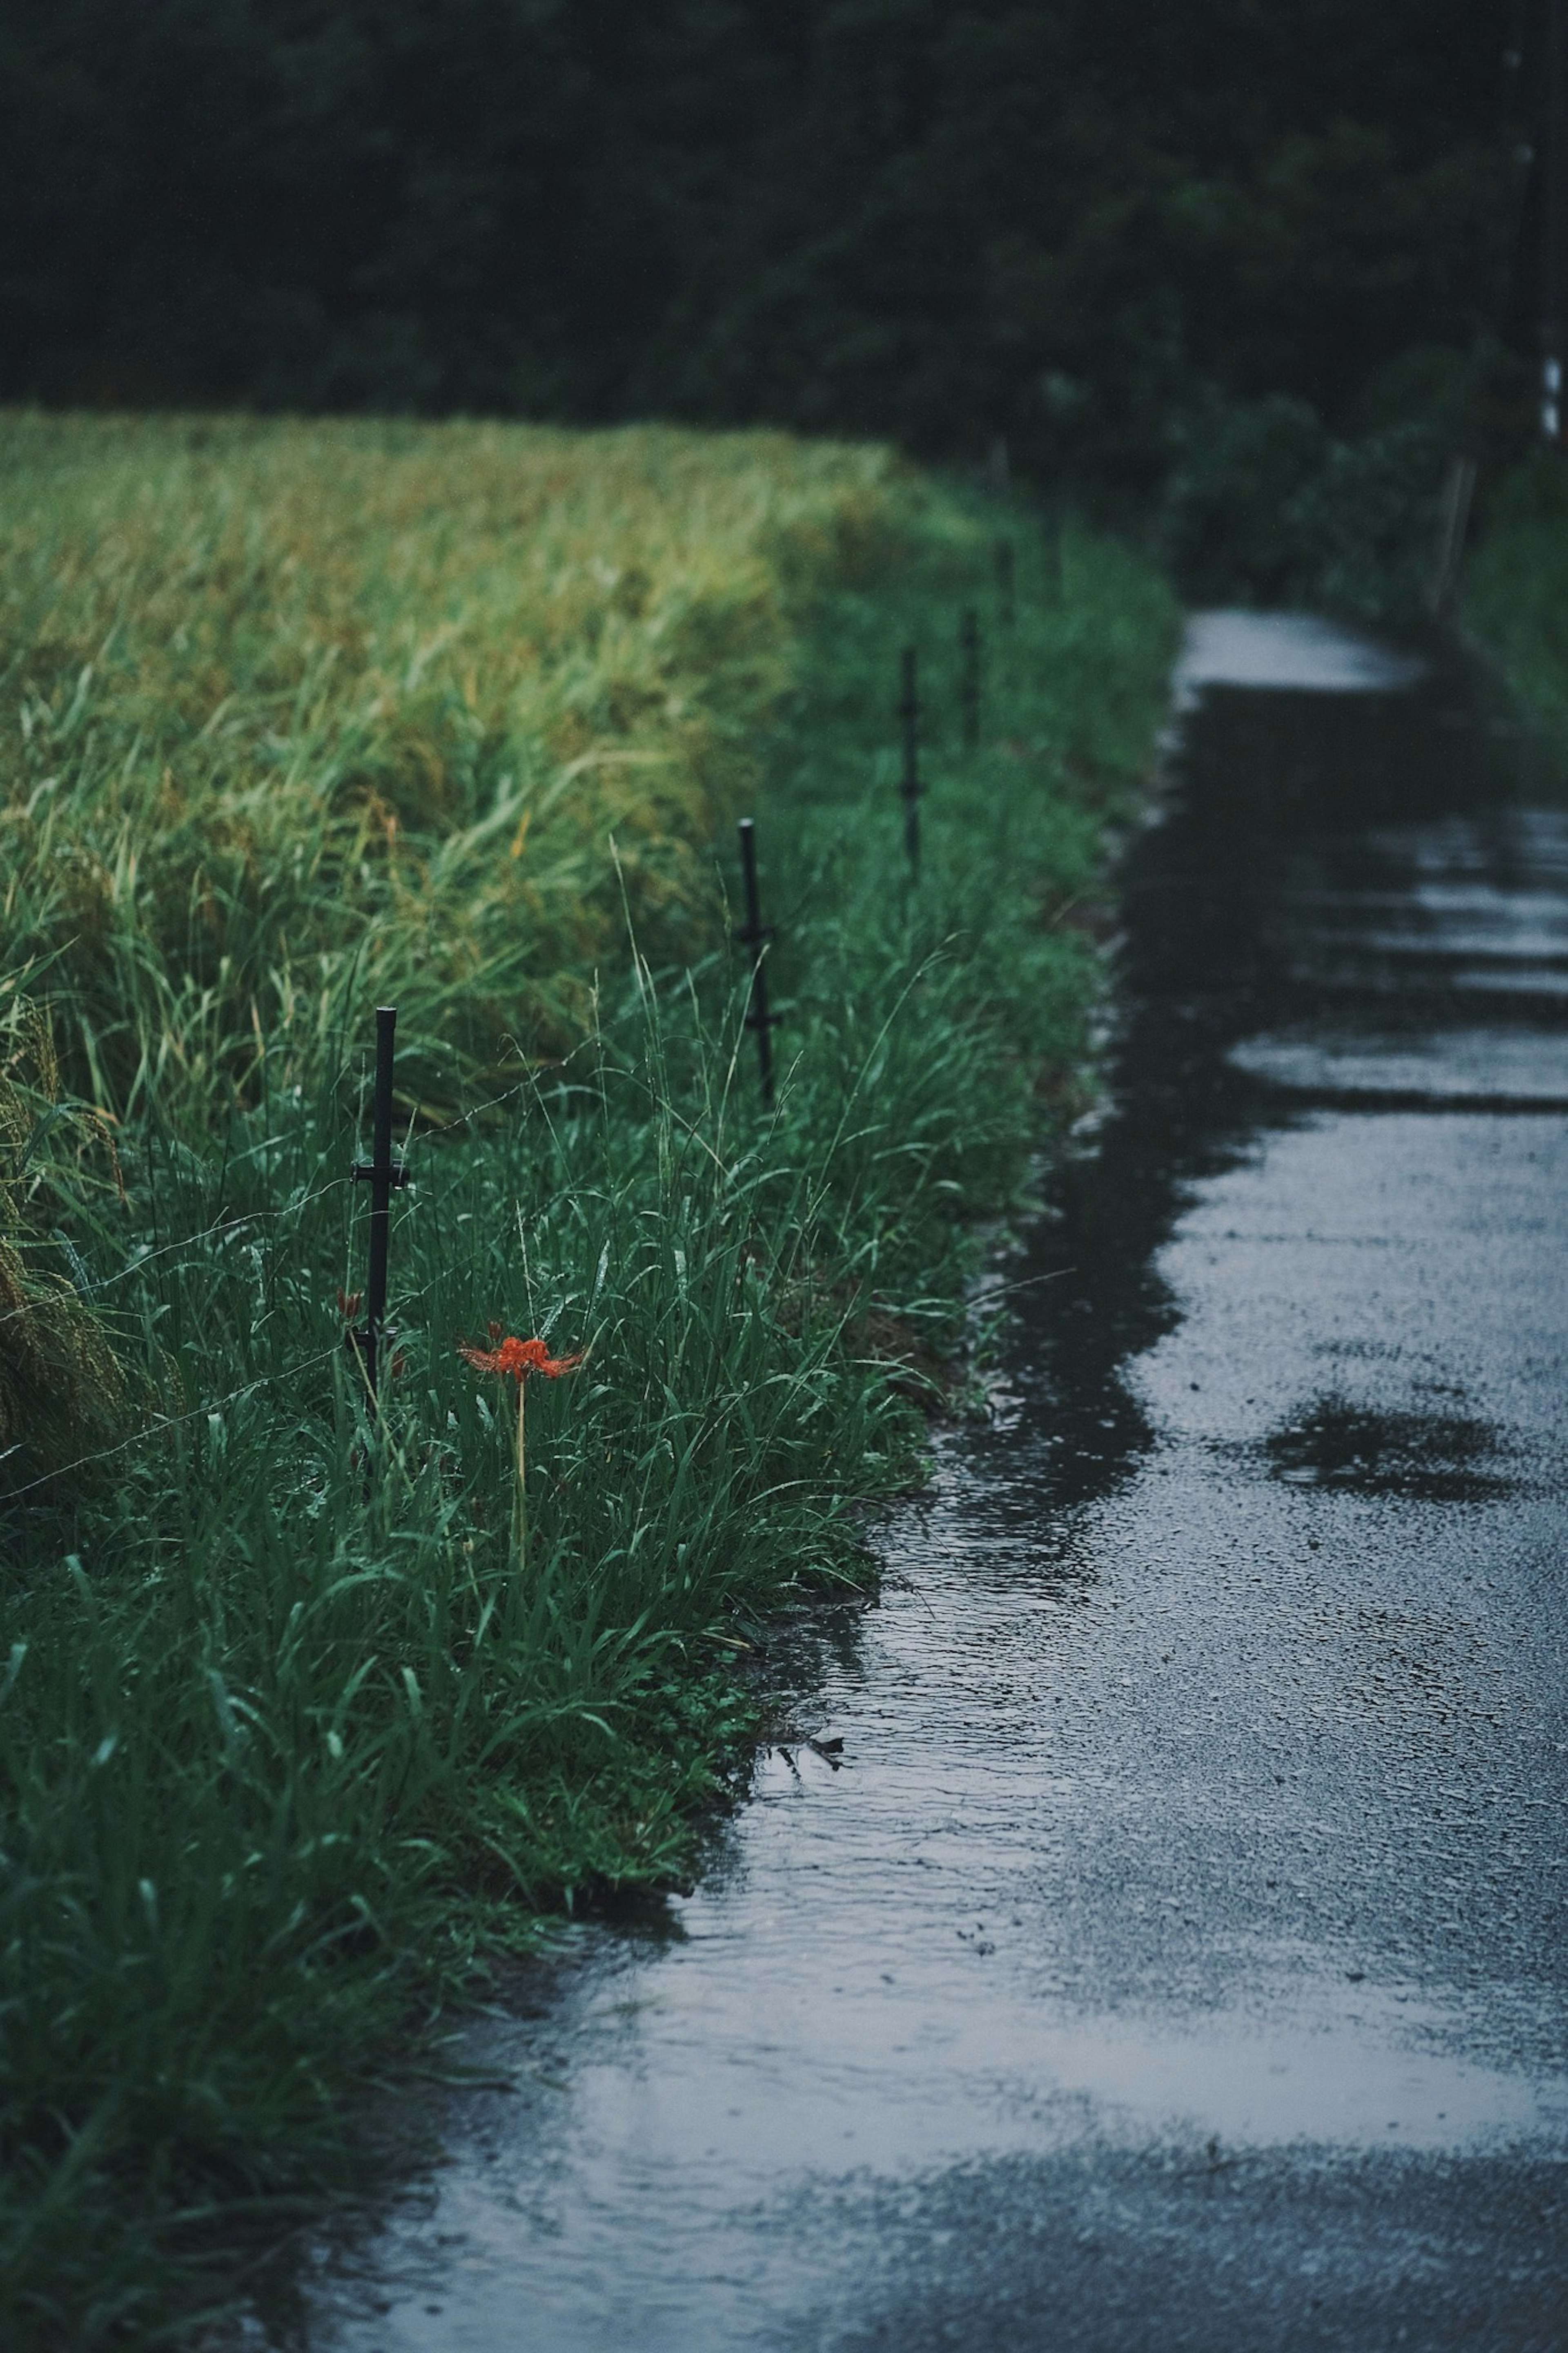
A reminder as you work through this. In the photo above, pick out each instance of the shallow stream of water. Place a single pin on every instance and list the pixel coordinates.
(1175, 1954)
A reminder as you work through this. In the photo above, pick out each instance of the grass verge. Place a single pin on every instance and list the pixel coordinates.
(293, 1741)
(1515, 595)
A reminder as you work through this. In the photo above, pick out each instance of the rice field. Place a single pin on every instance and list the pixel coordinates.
(306, 709)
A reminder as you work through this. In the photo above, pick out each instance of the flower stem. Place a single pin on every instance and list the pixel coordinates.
(521, 1482)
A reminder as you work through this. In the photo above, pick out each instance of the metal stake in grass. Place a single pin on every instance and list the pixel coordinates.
(756, 936)
(969, 676)
(1054, 528)
(383, 1174)
(1005, 598)
(910, 714)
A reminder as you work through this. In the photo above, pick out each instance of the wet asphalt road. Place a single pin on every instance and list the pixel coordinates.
(1178, 1958)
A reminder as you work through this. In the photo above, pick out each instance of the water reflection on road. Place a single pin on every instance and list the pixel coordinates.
(1177, 1958)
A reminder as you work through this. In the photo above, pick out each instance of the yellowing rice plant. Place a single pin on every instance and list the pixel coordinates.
(301, 714)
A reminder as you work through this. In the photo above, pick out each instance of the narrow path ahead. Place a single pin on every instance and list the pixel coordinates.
(1178, 1958)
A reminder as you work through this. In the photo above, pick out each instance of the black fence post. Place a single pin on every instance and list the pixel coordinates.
(910, 713)
(969, 678)
(1054, 528)
(1004, 595)
(756, 936)
(383, 1174)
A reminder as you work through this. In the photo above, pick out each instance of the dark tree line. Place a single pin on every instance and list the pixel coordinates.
(943, 219)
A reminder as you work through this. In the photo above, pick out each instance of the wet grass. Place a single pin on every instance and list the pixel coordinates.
(1514, 602)
(294, 1746)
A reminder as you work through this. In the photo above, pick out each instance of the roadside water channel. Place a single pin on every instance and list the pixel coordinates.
(1174, 1955)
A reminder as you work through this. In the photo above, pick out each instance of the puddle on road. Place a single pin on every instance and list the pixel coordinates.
(1475, 1068)
(1437, 1458)
(1356, 2086)
(1179, 1809)
(1294, 650)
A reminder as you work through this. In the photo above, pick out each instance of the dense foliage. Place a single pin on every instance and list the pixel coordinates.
(938, 219)
(1515, 601)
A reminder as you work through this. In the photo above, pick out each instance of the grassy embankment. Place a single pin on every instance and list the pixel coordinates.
(297, 718)
(1514, 593)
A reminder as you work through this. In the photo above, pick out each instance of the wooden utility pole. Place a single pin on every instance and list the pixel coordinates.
(1553, 239)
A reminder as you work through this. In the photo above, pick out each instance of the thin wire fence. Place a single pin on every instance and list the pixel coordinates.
(220, 1227)
(163, 1423)
(188, 1249)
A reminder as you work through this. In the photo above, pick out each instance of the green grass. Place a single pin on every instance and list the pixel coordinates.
(1515, 593)
(293, 1743)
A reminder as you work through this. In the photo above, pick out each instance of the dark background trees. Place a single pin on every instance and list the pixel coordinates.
(940, 219)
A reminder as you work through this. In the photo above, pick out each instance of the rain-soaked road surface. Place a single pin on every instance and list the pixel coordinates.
(1178, 1958)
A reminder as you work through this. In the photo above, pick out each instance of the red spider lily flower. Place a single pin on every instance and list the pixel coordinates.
(518, 1357)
